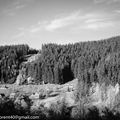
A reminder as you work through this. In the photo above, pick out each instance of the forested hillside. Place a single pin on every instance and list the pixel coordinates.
(95, 61)
(10, 60)
(94, 94)
(89, 61)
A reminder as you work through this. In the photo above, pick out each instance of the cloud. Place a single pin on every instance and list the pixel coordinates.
(19, 7)
(35, 30)
(29, 31)
(73, 22)
(37, 27)
(98, 21)
(99, 1)
(12, 9)
(83, 20)
(117, 11)
(21, 34)
(106, 1)
(98, 25)
(63, 21)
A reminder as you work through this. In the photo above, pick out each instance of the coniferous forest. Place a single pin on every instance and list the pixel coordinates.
(60, 59)
(94, 61)
(89, 74)
(10, 60)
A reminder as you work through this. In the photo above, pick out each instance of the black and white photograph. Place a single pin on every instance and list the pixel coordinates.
(60, 59)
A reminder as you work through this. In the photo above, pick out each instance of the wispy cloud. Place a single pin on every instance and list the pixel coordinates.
(99, 1)
(52, 25)
(34, 30)
(117, 11)
(29, 31)
(83, 20)
(19, 7)
(106, 1)
(37, 27)
(21, 34)
(12, 11)
(13, 8)
(92, 20)
(63, 21)
(98, 25)
(98, 22)
(80, 20)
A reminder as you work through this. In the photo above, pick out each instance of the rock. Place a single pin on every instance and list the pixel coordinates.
(36, 104)
(70, 88)
(47, 105)
(3, 88)
(24, 104)
(21, 102)
(49, 101)
(19, 79)
(17, 101)
(30, 80)
(34, 96)
(64, 88)
(12, 96)
(0, 97)
(33, 58)
(69, 99)
(53, 94)
(117, 87)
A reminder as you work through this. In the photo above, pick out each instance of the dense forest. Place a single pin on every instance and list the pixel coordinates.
(89, 61)
(10, 60)
(96, 61)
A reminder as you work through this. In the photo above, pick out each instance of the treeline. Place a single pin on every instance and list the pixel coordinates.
(89, 61)
(10, 60)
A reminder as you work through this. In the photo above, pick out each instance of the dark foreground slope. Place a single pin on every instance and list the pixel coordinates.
(60, 102)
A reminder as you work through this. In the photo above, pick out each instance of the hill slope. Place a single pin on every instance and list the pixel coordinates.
(92, 61)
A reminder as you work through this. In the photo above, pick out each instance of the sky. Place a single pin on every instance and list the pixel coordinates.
(37, 22)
